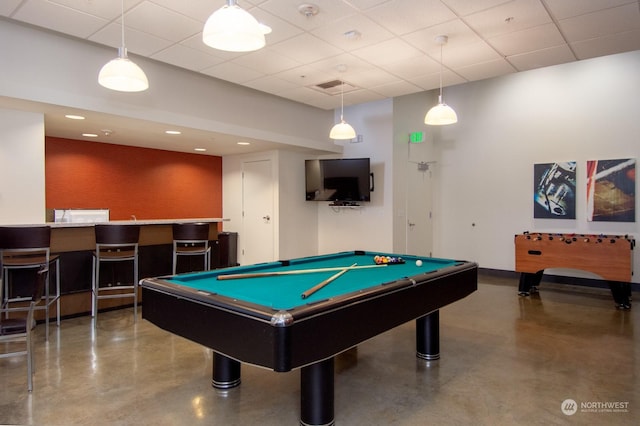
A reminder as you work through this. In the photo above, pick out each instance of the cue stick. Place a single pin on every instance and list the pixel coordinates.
(325, 282)
(292, 272)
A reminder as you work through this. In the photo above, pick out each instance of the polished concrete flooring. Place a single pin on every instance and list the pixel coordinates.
(506, 360)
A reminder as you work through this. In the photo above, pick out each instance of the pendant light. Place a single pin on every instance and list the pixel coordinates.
(122, 74)
(342, 130)
(233, 29)
(442, 113)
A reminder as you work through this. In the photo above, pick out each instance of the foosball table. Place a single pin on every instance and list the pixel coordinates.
(608, 256)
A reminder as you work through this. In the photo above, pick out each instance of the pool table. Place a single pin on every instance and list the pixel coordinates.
(265, 321)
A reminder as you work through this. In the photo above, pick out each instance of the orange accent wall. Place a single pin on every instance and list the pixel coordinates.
(147, 183)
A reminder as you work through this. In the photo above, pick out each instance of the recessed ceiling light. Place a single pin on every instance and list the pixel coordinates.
(74, 117)
(173, 132)
(90, 135)
(244, 143)
(200, 149)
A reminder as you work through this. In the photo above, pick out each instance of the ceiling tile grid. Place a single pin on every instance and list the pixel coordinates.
(383, 48)
(386, 46)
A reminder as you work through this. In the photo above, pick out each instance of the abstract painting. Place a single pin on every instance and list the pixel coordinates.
(554, 190)
(611, 190)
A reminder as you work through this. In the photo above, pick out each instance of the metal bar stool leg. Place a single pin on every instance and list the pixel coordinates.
(135, 287)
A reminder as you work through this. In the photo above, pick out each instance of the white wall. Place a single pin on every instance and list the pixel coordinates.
(22, 192)
(580, 111)
(368, 227)
(308, 228)
(298, 231)
(294, 220)
(408, 117)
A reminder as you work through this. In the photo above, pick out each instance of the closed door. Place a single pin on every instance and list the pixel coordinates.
(257, 213)
(419, 211)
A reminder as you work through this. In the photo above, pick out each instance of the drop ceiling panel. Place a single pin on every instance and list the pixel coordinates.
(186, 57)
(137, 42)
(561, 9)
(165, 23)
(103, 9)
(541, 58)
(466, 7)
(406, 16)
(527, 40)
(344, 64)
(598, 24)
(485, 70)
(509, 17)
(58, 18)
(418, 66)
(458, 32)
(601, 46)
(8, 6)
(232, 72)
(328, 12)
(306, 75)
(365, 32)
(306, 48)
(399, 87)
(455, 57)
(268, 60)
(371, 78)
(270, 84)
(388, 52)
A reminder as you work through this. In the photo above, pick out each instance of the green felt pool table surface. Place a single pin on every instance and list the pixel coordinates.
(283, 292)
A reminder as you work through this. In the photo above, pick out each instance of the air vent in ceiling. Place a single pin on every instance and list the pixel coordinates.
(334, 87)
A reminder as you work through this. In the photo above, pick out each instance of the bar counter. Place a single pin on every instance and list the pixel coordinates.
(67, 236)
(75, 243)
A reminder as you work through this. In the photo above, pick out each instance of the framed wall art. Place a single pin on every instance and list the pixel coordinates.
(611, 190)
(554, 190)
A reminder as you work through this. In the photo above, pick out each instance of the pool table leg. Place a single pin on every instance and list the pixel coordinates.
(226, 372)
(316, 394)
(428, 336)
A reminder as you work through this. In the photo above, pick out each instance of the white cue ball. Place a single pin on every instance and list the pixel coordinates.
(418, 262)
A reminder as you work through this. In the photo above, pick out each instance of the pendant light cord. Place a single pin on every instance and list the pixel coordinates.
(341, 100)
(122, 4)
(440, 97)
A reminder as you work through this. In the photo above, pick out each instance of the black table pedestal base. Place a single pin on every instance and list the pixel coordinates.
(226, 372)
(317, 394)
(428, 336)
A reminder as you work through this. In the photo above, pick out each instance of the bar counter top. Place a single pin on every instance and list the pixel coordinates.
(135, 222)
(70, 236)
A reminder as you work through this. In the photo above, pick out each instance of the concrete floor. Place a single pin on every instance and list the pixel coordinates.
(506, 360)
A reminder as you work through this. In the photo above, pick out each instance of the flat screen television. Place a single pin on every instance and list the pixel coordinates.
(346, 181)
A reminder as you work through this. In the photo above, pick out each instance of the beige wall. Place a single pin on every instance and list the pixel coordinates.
(22, 187)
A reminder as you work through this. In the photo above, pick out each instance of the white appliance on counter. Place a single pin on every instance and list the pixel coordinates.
(81, 215)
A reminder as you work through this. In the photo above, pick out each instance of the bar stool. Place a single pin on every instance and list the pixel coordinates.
(24, 248)
(20, 330)
(115, 243)
(191, 239)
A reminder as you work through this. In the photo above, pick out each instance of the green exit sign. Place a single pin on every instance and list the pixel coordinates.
(416, 137)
